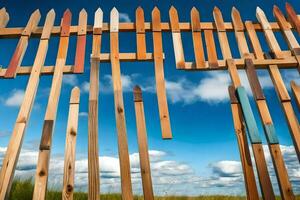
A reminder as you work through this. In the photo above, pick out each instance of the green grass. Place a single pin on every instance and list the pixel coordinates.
(23, 190)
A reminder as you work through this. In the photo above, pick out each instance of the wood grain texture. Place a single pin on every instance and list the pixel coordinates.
(279, 83)
(143, 144)
(15, 144)
(255, 44)
(292, 16)
(81, 43)
(211, 49)
(41, 177)
(119, 108)
(250, 184)
(176, 36)
(296, 92)
(70, 147)
(159, 76)
(140, 34)
(197, 38)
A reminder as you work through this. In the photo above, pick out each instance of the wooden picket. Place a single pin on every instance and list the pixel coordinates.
(251, 57)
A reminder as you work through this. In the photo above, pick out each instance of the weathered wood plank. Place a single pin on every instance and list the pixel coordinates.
(176, 36)
(159, 76)
(296, 92)
(4, 18)
(81, 43)
(255, 44)
(250, 183)
(93, 146)
(15, 144)
(41, 176)
(18, 55)
(197, 38)
(292, 16)
(279, 83)
(143, 144)
(119, 107)
(140, 34)
(70, 148)
(211, 49)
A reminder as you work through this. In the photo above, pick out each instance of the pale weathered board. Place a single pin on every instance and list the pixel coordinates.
(70, 147)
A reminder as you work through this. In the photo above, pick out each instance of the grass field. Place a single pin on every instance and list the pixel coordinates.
(22, 190)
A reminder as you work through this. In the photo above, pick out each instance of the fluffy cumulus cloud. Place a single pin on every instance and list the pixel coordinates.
(70, 79)
(169, 177)
(15, 98)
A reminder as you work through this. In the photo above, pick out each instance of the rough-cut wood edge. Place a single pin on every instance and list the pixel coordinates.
(143, 144)
(70, 147)
(159, 76)
(140, 34)
(292, 16)
(81, 43)
(296, 92)
(15, 144)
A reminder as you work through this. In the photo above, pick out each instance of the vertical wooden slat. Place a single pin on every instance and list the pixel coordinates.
(81, 43)
(255, 44)
(211, 49)
(119, 107)
(296, 92)
(273, 143)
(4, 18)
(15, 143)
(22, 45)
(286, 104)
(176, 36)
(197, 38)
(143, 144)
(159, 75)
(69, 164)
(93, 147)
(250, 184)
(261, 165)
(292, 16)
(140, 34)
(42, 169)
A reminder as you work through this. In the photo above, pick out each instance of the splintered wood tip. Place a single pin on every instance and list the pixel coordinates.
(137, 93)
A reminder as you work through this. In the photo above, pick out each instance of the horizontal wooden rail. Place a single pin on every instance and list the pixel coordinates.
(130, 26)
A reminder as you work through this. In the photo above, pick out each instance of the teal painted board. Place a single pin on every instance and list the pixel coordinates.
(271, 134)
(248, 115)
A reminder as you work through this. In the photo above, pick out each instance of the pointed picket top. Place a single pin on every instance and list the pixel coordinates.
(195, 19)
(98, 19)
(49, 22)
(82, 22)
(156, 26)
(75, 95)
(140, 20)
(292, 16)
(173, 14)
(4, 17)
(218, 19)
(66, 23)
(261, 17)
(280, 18)
(237, 20)
(114, 20)
(32, 22)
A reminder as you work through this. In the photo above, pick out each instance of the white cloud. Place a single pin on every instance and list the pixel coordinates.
(15, 99)
(85, 87)
(83, 114)
(70, 79)
(124, 17)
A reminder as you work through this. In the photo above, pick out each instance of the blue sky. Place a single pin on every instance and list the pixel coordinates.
(203, 156)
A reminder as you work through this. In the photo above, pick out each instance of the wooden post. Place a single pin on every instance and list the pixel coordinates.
(93, 149)
(279, 85)
(292, 16)
(296, 92)
(15, 144)
(261, 165)
(41, 177)
(17, 57)
(69, 164)
(140, 34)
(211, 49)
(4, 17)
(119, 107)
(143, 144)
(250, 184)
(159, 75)
(81, 43)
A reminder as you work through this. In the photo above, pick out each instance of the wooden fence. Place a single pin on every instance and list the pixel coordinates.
(251, 58)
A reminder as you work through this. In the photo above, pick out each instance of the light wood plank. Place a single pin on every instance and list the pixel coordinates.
(296, 92)
(143, 144)
(140, 34)
(292, 16)
(4, 18)
(255, 44)
(119, 108)
(15, 144)
(70, 148)
(279, 83)
(211, 49)
(41, 177)
(159, 76)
